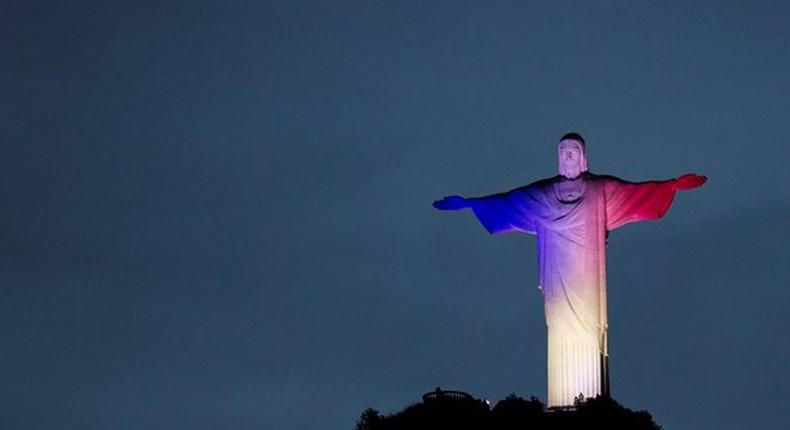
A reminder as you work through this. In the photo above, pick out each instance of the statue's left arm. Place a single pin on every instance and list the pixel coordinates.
(628, 202)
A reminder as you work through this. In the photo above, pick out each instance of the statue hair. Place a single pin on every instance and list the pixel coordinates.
(573, 136)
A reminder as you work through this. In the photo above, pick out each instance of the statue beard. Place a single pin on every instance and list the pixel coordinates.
(570, 171)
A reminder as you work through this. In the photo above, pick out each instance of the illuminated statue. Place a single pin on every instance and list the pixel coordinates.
(571, 215)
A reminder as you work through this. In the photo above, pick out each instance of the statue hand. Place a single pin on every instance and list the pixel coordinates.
(689, 181)
(452, 203)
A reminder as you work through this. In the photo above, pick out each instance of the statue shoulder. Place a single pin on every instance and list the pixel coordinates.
(592, 177)
(539, 185)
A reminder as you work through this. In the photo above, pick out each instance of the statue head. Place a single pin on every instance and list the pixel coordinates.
(572, 158)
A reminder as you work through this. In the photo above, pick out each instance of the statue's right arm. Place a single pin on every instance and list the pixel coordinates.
(453, 203)
(498, 213)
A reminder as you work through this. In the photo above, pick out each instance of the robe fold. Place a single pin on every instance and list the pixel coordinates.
(571, 240)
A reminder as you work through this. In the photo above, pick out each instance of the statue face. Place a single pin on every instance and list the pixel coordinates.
(571, 158)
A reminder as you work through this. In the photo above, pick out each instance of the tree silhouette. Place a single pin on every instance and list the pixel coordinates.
(513, 412)
(369, 420)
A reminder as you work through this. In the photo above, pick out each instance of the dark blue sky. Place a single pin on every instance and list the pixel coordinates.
(217, 215)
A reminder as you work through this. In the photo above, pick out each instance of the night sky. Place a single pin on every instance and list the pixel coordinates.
(218, 215)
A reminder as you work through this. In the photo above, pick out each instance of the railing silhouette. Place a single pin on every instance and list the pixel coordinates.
(440, 395)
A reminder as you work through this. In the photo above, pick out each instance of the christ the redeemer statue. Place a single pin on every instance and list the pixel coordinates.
(571, 214)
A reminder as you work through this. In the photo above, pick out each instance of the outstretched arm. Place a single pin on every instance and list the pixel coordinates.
(689, 181)
(628, 202)
(498, 213)
(452, 203)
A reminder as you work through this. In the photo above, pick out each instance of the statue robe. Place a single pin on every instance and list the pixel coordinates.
(571, 239)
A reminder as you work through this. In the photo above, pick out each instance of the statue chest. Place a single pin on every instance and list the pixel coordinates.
(569, 191)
